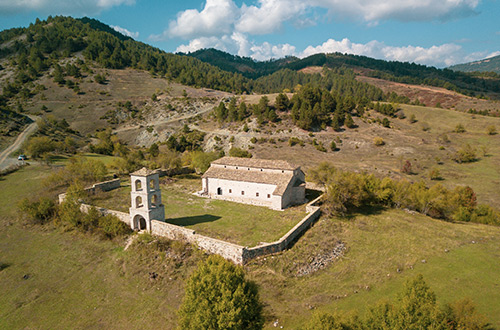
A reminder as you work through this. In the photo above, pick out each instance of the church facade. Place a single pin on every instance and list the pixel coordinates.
(276, 184)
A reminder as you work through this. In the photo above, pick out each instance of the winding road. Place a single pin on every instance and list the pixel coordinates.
(5, 161)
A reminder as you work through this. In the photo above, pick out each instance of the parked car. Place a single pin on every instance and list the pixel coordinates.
(21, 157)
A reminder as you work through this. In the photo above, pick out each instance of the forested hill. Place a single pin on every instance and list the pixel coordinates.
(42, 45)
(244, 65)
(491, 64)
(403, 72)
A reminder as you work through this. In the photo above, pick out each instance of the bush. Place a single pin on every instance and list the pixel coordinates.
(219, 297)
(491, 130)
(459, 128)
(113, 227)
(378, 141)
(333, 146)
(294, 140)
(466, 154)
(238, 152)
(39, 211)
(434, 174)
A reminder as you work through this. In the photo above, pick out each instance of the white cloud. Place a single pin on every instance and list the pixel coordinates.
(269, 16)
(442, 55)
(238, 43)
(373, 11)
(126, 32)
(216, 19)
(223, 17)
(439, 55)
(55, 7)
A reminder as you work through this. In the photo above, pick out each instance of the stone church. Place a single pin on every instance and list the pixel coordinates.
(276, 184)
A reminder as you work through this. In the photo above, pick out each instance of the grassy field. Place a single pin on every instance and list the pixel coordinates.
(242, 224)
(457, 261)
(78, 281)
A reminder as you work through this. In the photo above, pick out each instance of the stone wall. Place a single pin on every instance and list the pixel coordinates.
(102, 186)
(125, 217)
(227, 250)
(236, 253)
(283, 243)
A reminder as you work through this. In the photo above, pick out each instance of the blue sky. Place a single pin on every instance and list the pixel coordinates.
(432, 32)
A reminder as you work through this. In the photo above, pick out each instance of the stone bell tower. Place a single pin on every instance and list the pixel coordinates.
(146, 199)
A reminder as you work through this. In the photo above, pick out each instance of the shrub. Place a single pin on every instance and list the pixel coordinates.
(491, 130)
(466, 154)
(378, 141)
(39, 211)
(459, 128)
(219, 297)
(406, 168)
(294, 140)
(434, 174)
(333, 146)
(412, 119)
(425, 127)
(238, 152)
(112, 227)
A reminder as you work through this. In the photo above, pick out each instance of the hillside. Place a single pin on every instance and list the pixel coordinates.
(491, 64)
(110, 105)
(409, 73)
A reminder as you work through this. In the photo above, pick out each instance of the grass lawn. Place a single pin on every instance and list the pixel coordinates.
(242, 224)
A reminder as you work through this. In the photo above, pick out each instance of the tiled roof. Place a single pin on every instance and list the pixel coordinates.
(256, 163)
(144, 172)
(280, 180)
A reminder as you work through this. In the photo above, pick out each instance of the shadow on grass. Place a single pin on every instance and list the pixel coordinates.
(312, 194)
(3, 265)
(364, 210)
(189, 221)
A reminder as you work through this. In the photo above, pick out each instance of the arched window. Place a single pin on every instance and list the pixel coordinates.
(152, 184)
(154, 200)
(138, 185)
(138, 202)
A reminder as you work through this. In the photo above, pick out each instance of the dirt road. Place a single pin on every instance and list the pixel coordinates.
(5, 161)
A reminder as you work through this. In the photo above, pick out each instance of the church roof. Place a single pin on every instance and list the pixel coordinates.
(280, 180)
(256, 163)
(143, 172)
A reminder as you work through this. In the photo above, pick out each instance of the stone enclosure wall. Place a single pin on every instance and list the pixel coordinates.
(236, 253)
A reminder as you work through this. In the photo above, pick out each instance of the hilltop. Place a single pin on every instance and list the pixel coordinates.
(491, 64)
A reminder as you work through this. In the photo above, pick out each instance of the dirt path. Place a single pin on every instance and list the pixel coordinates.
(4, 160)
(166, 121)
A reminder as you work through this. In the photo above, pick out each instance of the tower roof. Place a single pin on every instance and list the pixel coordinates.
(144, 172)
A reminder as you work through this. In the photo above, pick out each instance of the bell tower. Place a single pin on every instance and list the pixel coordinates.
(146, 199)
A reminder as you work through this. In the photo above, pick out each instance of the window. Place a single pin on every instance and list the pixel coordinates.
(224, 166)
(261, 170)
(242, 193)
(138, 202)
(138, 185)
(256, 194)
(236, 167)
(268, 195)
(230, 190)
(219, 191)
(152, 184)
(282, 171)
(248, 168)
(154, 201)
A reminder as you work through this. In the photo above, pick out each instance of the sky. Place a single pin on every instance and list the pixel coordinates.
(432, 32)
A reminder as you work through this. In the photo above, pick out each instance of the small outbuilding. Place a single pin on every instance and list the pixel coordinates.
(276, 184)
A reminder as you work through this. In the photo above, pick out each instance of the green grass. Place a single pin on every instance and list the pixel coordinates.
(242, 224)
(378, 245)
(81, 282)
